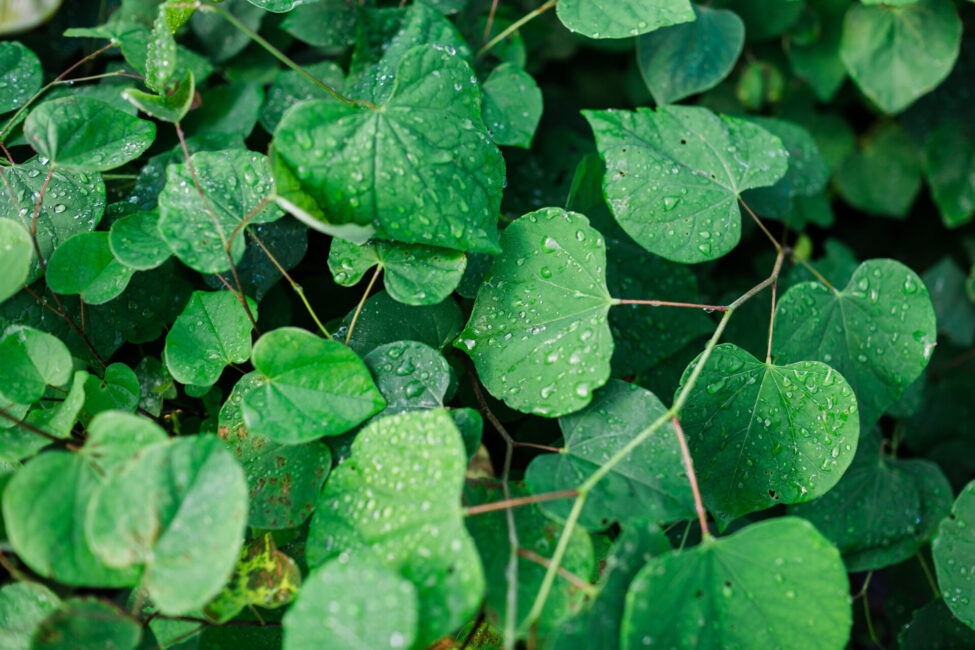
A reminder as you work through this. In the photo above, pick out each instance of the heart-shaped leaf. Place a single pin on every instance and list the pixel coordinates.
(85, 265)
(16, 253)
(622, 18)
(954, 552)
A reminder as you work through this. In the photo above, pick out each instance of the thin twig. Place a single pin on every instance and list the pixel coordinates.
(520, 501)
(490, 22)
(685, 452)
(515, 26)
(26, 426)
(362, 303)
(576, 581)
(775, 242)
(667, 303)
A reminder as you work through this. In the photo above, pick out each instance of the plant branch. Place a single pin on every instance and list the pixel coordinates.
(685, 452)
(515, 26)
(667, 303)
(576, 581)
(362, 303)
(26, 426)
(775, 242)
(519, 501)
(490, 22)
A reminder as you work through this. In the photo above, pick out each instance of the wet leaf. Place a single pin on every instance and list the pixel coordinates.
(512, 105)
(85, 265)
(622, 18)
(23, 605)
(953, 550)
(87, 622)
(31, 360)
(16, 253)
(21, 76)
(410, 375)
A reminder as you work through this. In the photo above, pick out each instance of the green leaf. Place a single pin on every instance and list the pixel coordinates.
(21, 76)
(649, 483)
(118, 390)
(178, 508)
(72, 203)
(375, 506)
(16, 254)
(897, 54)
(87, 623)
(683, 60)
(539, 334)
(878, 332)
(674, 176)
(171, 107)
(279, 6)
(312, 388)
(220, 39)
(884, 176)
(135, 241)
(763, 20)
(752, 589)
(512, 105)
(233, 108)
(23, 605)
(763, 434)
(290, 87)
(934, 626)
(377, 608)
(384, 320)
(413, 274)
(212, 332)
(622, 18)
(949, 166)
(953, 310)
(264, 576)
(283, 481)
(326, 23)
(420, 168)
(285, 240)
(814, 48)
(57, 419)
(410, 375)
(31, 361)
(161, 54)
(953, 550)
(904, 500)
(236, 187)
(87, 134)
(85, 265)
(114, 437)
(537, 534)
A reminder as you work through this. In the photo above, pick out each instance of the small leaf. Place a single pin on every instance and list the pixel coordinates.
(135, 241)
(118, 390)
(16, 254)
(351, 604)
(212, 332)
(763, 434)
(23, 605)
(326, 23)
(87, 623)
(953, 550)
(31, 361)
(375, 506)
(413, 274)
(21, 77)
(878, 332)
(683, 60)
(674, 176)
(650, 483)
(512, 105)
(749, 589)
(171, 107)
(539, 333)
(814, 52)
(290, 87)
(312, 388)
(279, 6)
(384, 320)
(58, 418)
(622, 18)
(949, 166)
(87, 134)
(85, 265)
(884, 176)
(934, 626)
(410, 375)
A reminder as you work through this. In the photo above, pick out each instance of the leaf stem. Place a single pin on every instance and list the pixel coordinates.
(490, 22)
(927, 574)
(362, 303)
(819, 276)
(685, 452)
(667, 303)
(514, 27)
(519, 501)
(26, 426)
(577, 582)
(775, 242)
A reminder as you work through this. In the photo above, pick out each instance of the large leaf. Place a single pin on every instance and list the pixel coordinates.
(23, 605)
(954, 554)
(85, 265)
(16, 253)
(311, 388)
(683, 60)
(763, 434)
(178, 509)
(21, 76)
(649, 484)
(235, 186)
(622, 18)
(896, 54)
(420, 168)
(352, 604)
(31, 361)
(539, 333)
(674, 176)
(376, 505)
(904, 500)
(212, 332)
(755, 589)
(87, 134)
(878, 332)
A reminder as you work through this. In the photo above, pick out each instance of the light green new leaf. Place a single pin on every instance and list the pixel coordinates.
(954, 553)
(23, 605)
(264, 576)
(283, 481)
(171, 107)
(73, 202)
(312, 387)
(903, 501)
(57, 419)
(539, 333)
(87, 134)
(775, 584)
(763, 434)
(161, 54)
(179, 508)
(410, 375)
(375, 505)
(87, 623)
(21, 75)
(414, 274)
(236, 186)
(884, 176)
(878, 332)
(115, 436)
(512, 105)
(135, 241)
(649, 484)
(352, 604)
(212, 332)
(16, 253)
(949, 166)
(536, 533)
(119, 390)
(85, 265)
(683, 60)
(896, 54)
(622, 18)
(674, 176)
(420, 167)
(31, 361)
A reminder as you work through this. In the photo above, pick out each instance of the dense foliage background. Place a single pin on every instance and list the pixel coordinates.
(381, 324)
